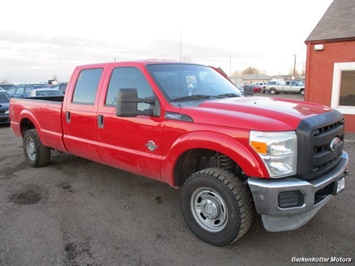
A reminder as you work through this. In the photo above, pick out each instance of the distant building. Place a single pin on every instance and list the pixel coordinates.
(255, 78)
(288, 77)
(330, 62)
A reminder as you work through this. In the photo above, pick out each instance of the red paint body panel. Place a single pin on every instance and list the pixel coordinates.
(221, 125)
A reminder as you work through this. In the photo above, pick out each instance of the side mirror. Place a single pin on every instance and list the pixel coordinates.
(127, 103)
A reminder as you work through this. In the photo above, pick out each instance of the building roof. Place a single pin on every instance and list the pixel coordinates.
(288, 77)
(256, 77)
(337, 23)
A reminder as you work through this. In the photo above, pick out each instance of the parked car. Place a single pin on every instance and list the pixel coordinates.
(21, 91)
(4, 107)
(61, 86)
(273, 83)
(45, 92)
(6, 86)
(259, 86)
(248, 87)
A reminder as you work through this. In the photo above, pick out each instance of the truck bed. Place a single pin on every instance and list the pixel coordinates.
(45, 113)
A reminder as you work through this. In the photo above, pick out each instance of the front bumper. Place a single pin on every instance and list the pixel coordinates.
(4, 119)
(315, 194)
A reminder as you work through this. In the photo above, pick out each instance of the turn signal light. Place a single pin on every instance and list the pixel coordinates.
(260, 147)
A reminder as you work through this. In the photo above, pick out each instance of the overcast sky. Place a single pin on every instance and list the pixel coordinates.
(40, 39)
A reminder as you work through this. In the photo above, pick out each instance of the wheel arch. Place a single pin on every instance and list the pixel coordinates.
(198, 151)
(27, 121)
(273, 90)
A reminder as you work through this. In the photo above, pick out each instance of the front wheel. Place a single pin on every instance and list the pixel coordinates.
(36, 153)
(301, 92)
(273, 91)
(216, 206)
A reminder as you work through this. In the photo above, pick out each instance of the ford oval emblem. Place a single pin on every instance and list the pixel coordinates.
(335, 144)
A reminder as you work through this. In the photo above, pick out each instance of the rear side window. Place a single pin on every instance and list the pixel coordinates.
(86, 86)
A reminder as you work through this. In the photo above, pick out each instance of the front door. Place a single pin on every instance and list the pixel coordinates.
(130, 143)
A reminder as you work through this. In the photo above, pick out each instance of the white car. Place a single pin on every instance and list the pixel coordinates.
(43, 92)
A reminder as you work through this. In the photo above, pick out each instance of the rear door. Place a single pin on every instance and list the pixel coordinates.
(130, 143)
(80, 114)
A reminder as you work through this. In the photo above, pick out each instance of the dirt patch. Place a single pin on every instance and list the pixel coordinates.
(29, 195)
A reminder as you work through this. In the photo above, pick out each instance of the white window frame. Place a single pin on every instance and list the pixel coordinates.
(338, 68)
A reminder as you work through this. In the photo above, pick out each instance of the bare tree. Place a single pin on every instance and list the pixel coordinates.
(251, 70)
(235, 74)
(293, 72)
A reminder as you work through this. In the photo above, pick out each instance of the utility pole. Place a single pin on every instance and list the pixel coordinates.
(230, 67)
(294, 66)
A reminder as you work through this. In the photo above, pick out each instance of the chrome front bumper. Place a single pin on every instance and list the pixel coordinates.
(266, 198)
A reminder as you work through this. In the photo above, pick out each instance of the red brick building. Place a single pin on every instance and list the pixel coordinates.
(330, 67)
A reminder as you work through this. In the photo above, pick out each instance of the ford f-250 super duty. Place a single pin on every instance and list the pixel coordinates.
(188, 126)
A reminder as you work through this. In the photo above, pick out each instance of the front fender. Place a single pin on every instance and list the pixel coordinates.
(236, 150)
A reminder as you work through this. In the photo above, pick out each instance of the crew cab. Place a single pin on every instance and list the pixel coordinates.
(287, 87)
(188, 126)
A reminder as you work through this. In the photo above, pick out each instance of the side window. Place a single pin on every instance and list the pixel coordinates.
(347, 93)
(128, 78)
(86, 86)
(20, 90)
(343, 94)
(11, 91)
(28, 89)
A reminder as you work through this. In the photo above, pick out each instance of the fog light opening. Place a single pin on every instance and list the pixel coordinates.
(290, 199)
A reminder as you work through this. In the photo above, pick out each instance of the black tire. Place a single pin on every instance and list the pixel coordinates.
(36, 153)
(273, 91)
(216, 206)
(301, 92)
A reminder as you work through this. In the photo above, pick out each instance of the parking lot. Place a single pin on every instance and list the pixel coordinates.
(78, 212)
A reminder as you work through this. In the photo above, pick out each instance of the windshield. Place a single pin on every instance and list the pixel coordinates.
(184, 82)
(4, 98)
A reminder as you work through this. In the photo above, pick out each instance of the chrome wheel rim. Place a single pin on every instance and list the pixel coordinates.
(209, 209)
(31, 149)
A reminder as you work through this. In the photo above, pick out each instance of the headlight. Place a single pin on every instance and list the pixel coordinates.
(278, 150)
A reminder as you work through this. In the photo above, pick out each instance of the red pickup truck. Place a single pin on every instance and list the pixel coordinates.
(188, 126)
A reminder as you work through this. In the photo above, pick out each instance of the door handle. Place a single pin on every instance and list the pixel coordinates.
(100, 121)
(67, 117)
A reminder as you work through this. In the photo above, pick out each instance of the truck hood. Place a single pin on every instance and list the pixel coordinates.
(255, 113)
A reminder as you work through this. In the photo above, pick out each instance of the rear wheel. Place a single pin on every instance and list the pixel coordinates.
(36, 153)
(216, 206)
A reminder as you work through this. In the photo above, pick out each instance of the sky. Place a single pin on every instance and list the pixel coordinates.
(41, 39)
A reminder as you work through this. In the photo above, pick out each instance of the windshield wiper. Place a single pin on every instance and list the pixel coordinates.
(228, 95)
(192, 97)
